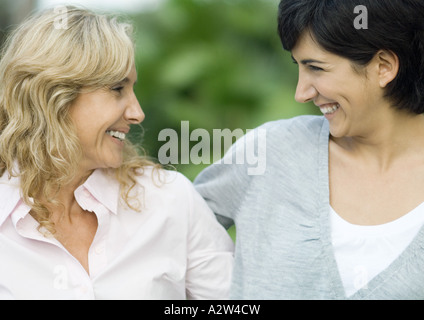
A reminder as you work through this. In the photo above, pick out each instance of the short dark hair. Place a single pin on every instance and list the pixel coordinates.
(394, 25)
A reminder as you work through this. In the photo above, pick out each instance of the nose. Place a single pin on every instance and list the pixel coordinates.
(305, 91)
(133, 113)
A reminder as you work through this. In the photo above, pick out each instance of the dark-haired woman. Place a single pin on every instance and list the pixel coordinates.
(339, 212)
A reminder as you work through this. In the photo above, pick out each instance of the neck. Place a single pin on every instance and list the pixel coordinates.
(65, 203)
(394, 136)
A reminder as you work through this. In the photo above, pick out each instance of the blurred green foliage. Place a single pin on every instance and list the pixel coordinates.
(215, 63)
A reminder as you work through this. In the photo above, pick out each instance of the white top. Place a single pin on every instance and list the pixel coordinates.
(173, 249)
(362, 252)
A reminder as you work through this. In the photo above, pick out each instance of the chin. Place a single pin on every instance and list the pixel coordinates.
(337, 132)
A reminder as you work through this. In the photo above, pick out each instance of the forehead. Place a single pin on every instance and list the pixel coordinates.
(306, 46)
(131, 76)
(308, 50)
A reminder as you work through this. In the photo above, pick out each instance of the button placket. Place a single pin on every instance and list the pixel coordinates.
(98, 253)
(97, 257)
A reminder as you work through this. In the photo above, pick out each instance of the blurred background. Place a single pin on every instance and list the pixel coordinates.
(215, 63)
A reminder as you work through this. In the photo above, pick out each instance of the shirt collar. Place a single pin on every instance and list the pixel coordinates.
(9, 195)
(101, 184)
(104, 188)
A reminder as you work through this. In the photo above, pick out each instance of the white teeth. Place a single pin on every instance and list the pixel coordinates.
(116, 134)
(329, 109)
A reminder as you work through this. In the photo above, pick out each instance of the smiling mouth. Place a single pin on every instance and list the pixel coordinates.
(116, 134)
(329, 109)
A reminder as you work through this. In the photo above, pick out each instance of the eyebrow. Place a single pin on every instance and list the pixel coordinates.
(126, 80)
(307, 61)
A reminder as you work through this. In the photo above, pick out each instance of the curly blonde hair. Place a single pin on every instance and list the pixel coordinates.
(46, 62)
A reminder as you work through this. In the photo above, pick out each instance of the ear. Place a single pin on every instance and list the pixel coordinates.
(388, 67)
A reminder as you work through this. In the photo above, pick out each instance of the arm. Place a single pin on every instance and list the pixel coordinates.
(210, 253)
(224, 184)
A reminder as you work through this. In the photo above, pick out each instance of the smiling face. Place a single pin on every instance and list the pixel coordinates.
(352, 101)
(102, 119)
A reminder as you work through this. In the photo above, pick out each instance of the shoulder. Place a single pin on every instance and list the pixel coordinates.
(301, 134)
(306, 125)
(170, 194)
(285, 133)
(168, 185)
(159, 177)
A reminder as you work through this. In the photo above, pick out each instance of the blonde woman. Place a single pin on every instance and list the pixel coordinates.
(82, 215)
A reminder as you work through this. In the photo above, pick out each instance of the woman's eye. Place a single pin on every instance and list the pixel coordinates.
(313, 68)
(118, 89)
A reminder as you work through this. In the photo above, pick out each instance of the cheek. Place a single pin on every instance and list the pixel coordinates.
(346, 94)
(328, 86)
(89, 137)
